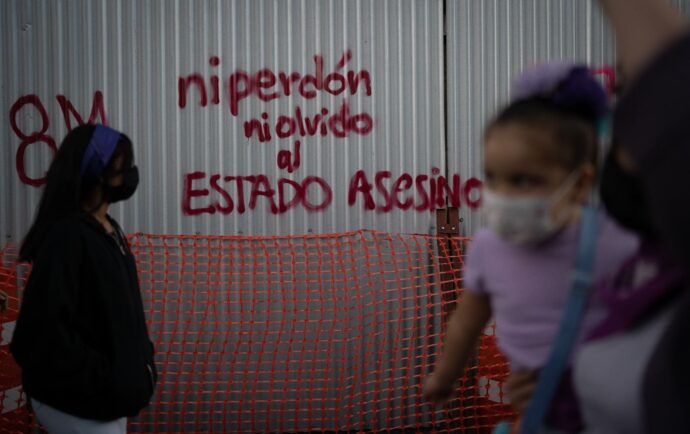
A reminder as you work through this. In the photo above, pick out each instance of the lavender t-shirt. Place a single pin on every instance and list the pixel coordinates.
(529, 284)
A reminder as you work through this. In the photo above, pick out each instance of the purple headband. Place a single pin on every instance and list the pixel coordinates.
(568, 85)
(99, 151)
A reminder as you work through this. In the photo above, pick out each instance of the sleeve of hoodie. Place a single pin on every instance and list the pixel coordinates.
(652, 122)
(46, 341)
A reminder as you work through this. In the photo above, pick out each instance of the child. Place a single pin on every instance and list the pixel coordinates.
(539, 166)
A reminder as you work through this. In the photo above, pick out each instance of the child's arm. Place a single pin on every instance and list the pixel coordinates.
(520, 388)
(465, 326)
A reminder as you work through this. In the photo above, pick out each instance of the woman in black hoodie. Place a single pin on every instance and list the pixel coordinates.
(81, 337)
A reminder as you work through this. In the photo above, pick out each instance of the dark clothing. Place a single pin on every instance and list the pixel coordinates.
(667, 380)
(652, 122)
(81, 337)
(631, 301)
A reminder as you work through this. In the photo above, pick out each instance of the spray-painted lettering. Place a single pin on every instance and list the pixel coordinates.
(268, 85)
(382, 192)
(340, 124)
(40, 135)
(422, 192)
(203, 194)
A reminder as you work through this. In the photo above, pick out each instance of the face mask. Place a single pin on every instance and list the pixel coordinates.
(623, 197)
(521, 220)
(130, 181)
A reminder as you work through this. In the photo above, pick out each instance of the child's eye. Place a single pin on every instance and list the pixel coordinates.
(489, 179)
(526, 181)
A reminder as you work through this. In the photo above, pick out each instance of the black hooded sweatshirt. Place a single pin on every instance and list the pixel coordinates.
(81, 337)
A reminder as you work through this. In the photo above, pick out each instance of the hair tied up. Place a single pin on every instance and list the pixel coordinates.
(569, 86)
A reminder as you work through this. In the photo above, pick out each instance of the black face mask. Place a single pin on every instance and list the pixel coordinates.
(624, 199)
(130, 181)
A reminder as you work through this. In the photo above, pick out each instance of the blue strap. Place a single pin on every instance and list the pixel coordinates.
(502, 428)
(550, 376)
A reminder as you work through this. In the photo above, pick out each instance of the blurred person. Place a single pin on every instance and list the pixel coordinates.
(632, 377)
(539, 169)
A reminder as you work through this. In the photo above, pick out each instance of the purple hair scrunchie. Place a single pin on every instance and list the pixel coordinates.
(567, 85)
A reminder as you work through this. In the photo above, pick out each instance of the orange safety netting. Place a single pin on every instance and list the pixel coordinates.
(319, 333)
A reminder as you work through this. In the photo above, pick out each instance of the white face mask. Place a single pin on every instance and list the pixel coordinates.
(523, 220)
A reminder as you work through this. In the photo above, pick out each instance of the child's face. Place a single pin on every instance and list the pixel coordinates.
(518, 162)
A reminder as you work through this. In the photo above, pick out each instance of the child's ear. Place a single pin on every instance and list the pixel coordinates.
(585, 183)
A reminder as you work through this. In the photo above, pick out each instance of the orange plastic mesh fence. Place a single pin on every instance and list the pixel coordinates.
(322, 333)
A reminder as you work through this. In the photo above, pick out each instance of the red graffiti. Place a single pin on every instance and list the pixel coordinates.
(609, 76)
(40, 136)
(268, 85)
(339, 124)
(289, 160)
(203, 194)
(421, 193)
(285, 195)
(28, 139)
(97, 109)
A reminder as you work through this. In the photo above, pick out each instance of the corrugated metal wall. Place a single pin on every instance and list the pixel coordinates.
(489, 42)
(136, 52)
